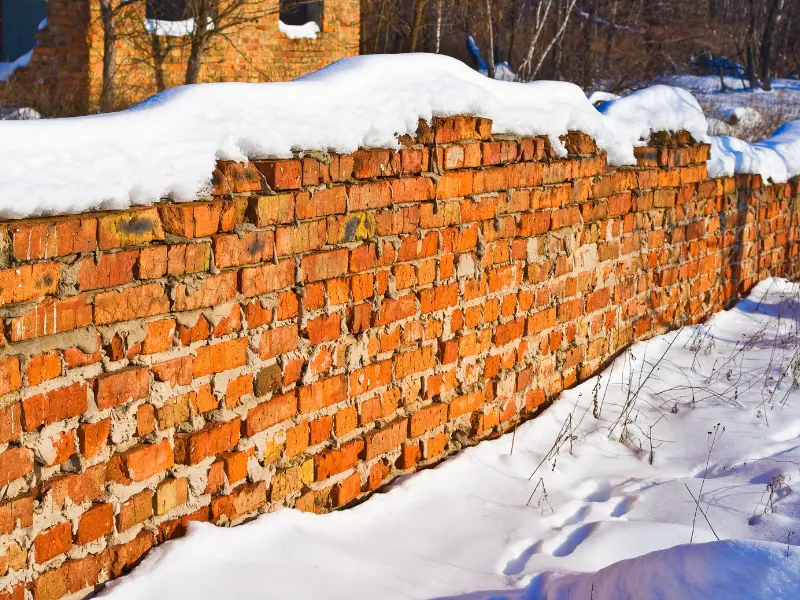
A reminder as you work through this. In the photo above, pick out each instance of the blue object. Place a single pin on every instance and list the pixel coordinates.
(19, 22)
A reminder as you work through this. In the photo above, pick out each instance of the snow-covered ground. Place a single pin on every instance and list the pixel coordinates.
(737, 111)
(587, 507)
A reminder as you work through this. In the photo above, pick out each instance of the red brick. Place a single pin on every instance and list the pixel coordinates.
(383, 440)
(254, 281)
(325, 265)
(212, 290)
(10, 376)
(213, 439)
(369, 195)
(145, 420)
(326, 392)
(219, 357)
(270, 413)
(52, 542)
(51, 316)
(95, 523)
(125, 385)
(143, 461)
(252, 247)
(333, 462)
(132, 303)
(55, 405)
(93, 437)
(278, 341)
(110, 270)
(35, 241)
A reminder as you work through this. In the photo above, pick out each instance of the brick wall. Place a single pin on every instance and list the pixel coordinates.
(69, 57)
(323, 324)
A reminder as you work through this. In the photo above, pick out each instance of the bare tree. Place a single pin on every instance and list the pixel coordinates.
(768, 42)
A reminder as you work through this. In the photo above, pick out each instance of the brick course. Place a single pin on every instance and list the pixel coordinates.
(308, 347)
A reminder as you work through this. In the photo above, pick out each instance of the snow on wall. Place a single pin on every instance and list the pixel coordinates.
(167, 146)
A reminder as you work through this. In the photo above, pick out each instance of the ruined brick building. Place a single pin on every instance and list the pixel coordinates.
(154, 43)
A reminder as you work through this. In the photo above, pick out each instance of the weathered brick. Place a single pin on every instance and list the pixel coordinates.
(213, 439)
(211, 291)
(51, 316)
(95, 523)
(270, 413)
(52, 542)
(27, 282)
(132, 303)
(110, 270)
(55, 405)
(132, 228)
(219, 357)
(125, 385)
(383, 440)
(333, 462)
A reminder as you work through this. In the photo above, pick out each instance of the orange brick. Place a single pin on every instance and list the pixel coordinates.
(160, 335)
(325, 392)
(10, 376)
(325, 265)
(27, 282)
(62, 446)
(219, 357)
(143, 461)
(132, 303)
(333, 462)
(252, 247)
(57, 238)
(136, 510)
(272, 210)
(110, 270)
(213, 439)
(125, 385)
(55, 405)
(235, 465)
(135, 227)
(213, 290)
(191, 219)
(270, 413)
(244, 500)
(43, 367)
(427, 419)
(145, 419)
(324, 328)
(93, 437)
(52, 542)
(96, 522)
(300, 238)
(51, 316)
(254, 281)
(16, 513)
(383, 440)
(278, 341)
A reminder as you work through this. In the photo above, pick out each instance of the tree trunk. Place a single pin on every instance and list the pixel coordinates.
(490, 45)
(752, 74)
(439, 10)
(588, 52)
(768, 42)
(109, 91)
(416, 28)
(199, 40)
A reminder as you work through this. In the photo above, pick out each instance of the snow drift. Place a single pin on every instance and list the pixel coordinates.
(730, 569)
